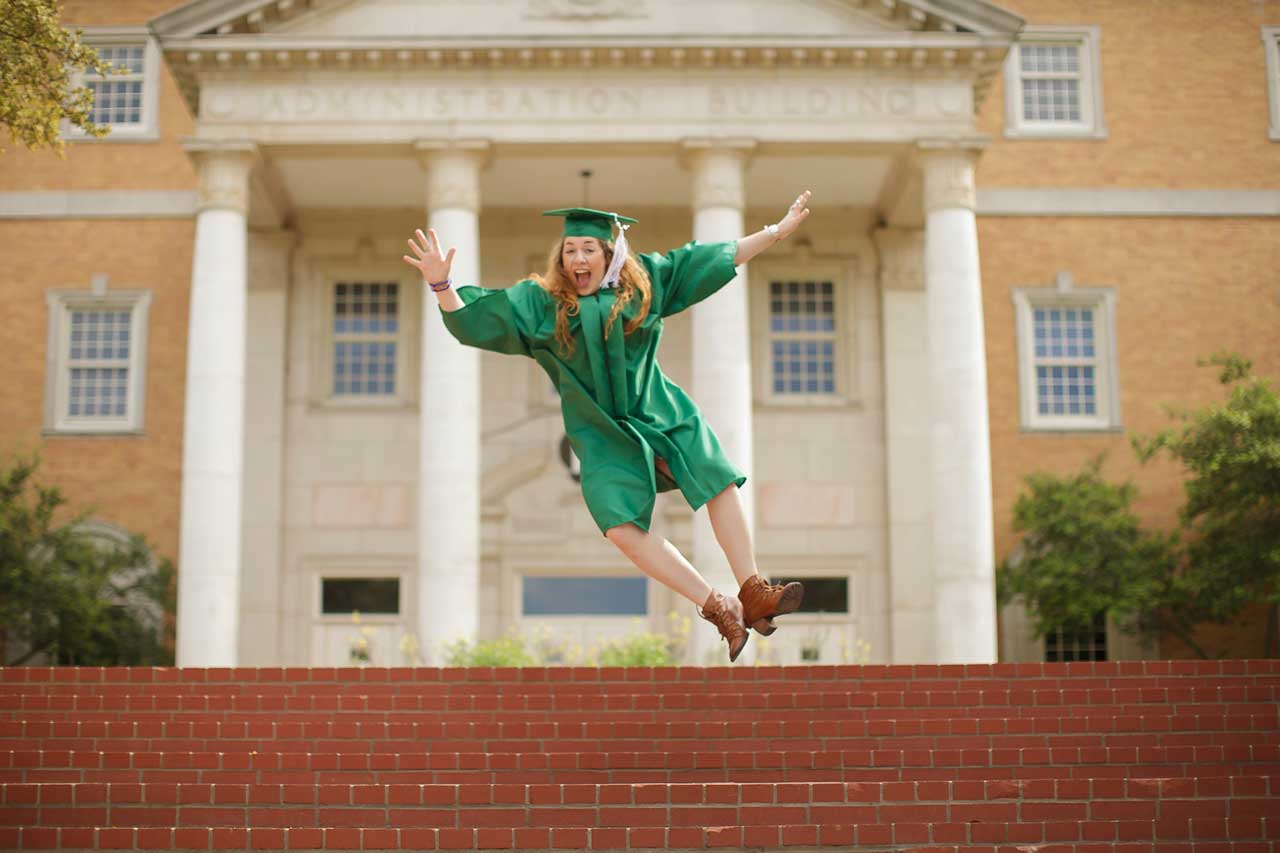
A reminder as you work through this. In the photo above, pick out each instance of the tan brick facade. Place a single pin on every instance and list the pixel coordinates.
(1185, 94)
(131, 481)
(1185, 98)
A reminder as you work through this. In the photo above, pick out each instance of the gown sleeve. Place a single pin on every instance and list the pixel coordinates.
(502, 320)
(688, 275)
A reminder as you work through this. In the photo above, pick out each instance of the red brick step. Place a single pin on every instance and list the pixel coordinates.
(1239, 809)
(1169, 755)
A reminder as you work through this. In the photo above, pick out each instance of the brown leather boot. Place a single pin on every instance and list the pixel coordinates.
(726, 615)
(761, 601)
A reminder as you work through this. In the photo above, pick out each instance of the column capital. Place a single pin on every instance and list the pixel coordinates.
(453, 171)
(717, 166)
(222, 170)
(947, 166)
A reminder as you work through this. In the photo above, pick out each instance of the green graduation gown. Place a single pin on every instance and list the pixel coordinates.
(620, 411)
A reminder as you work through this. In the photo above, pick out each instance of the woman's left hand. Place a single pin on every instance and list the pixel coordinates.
(797, 213)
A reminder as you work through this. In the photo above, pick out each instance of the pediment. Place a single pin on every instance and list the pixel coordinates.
(496, 21)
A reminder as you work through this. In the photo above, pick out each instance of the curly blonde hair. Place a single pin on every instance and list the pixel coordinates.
(633, 280)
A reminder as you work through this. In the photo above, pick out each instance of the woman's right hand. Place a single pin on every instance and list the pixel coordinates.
(429, 261)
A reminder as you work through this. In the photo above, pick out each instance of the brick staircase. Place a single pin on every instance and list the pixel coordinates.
(1181, 755)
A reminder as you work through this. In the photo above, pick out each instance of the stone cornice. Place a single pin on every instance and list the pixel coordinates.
(963, 55)
(644, 51)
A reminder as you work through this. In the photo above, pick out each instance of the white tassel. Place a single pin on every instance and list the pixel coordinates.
(614, 272)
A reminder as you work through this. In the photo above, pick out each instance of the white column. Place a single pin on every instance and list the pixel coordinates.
(449, 461)
(722, 339)
(213, 419)
(909, 477)
(964, 612)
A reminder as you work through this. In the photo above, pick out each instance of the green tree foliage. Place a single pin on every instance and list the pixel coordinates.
(1231, 517)
(69, 596)
(1084, 552)
(38, 59)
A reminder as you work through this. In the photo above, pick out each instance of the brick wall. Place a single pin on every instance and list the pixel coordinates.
(1185, 101)
(134, 480)
(96, 165)
(1183, 83)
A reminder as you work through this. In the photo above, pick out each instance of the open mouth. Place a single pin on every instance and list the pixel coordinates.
(582, 278)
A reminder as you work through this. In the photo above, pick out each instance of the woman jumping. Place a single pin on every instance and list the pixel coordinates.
(593, 323)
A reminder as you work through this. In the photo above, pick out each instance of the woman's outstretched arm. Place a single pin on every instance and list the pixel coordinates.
(753, 244)
(434, 266)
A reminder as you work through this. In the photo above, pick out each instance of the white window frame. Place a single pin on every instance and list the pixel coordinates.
(843, 294)
(1271, 46)
(58, 369)
(148, 130)
(1102, 301)
(1092, 124)
(408, 310)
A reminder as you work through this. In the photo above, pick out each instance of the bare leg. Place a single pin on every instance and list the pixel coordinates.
(729, 521)
(660, 560)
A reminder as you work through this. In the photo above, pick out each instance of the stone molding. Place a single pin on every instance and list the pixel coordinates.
(96, 204)
(222, 174)
(1088, 201)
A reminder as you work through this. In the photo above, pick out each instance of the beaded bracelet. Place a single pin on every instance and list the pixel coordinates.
(437, 286)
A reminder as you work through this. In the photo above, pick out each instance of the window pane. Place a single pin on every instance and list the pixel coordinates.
(115, 101)
(821, 595)
(802, 327)
(584, 596)
(366, 595)
(100, 334)
(365, 352)
(1051, 100)
(1065, 334)
(98, 392)
(1049, 58)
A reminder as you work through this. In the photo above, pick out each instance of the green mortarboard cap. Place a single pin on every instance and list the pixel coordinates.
(584, 222)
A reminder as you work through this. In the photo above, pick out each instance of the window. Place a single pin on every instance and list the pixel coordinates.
(1053, 84)
(343, 596)
(1089, 644)
(1066, 357)
(366, 338)
(126, 101)
(584, 596)
(821, 594)
(802, 337)
(803, 321)
(97, 361)
(1271, 46)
